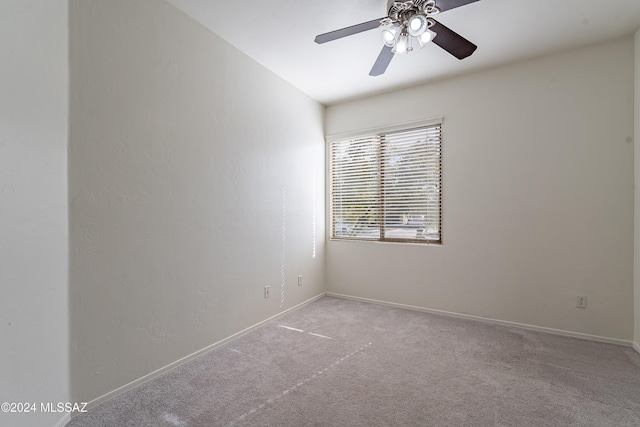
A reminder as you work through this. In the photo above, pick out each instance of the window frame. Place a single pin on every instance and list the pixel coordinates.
(381, 132)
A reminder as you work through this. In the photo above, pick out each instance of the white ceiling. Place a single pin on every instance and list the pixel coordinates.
(279, 35)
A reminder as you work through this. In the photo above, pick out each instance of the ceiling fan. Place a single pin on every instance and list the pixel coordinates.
(408, 21)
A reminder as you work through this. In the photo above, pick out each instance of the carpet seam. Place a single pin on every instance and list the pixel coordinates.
(313, 376)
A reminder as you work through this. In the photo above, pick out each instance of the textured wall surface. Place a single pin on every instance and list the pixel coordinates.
(34, 365)
(196, 178)
(538, 195)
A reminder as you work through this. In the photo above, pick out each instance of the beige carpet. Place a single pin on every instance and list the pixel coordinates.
(337, 362)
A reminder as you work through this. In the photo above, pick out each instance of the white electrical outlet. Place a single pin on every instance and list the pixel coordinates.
(581, 301)
(266, 291)
(300, 280)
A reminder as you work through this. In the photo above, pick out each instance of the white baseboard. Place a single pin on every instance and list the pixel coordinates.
(636, 346)
(63, 421)
(495, 321)
(169, 367)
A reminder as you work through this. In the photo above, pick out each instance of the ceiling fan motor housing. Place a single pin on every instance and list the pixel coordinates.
(409, 7)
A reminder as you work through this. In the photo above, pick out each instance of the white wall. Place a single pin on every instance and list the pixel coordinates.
(196, 179)
(538, 195)
(637, 196)
(34, 363)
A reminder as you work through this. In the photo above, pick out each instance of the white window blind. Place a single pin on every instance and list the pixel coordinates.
(388, 186)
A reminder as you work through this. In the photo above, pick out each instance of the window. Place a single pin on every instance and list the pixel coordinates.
(387, 187)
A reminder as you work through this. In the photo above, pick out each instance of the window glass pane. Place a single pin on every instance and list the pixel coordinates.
(356, 188)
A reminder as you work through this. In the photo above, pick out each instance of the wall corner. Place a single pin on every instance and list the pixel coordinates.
(636, 254)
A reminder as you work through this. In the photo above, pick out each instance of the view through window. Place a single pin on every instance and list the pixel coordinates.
(387, 186)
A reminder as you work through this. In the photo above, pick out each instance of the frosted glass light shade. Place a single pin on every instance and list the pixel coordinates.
(389, 35)
(425, 38)
(417, 25)
(402, 44)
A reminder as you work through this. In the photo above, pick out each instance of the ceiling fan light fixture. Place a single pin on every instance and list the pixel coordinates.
(390, 35)
(402, 45)
(417, 25)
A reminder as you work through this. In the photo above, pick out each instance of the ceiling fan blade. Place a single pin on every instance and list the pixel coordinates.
(452, 4)
(381, 64)
(348, 31)
(452, 42)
